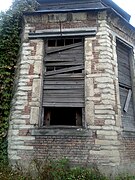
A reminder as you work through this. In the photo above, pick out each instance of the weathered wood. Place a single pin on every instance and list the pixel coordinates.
(128, 100)
(68, 76)
(64, 87)
(63, 95)
(65, 57)
(58, 49)
(67, 104)
(65, 91)
(64, 70)
(72, 63)
(124, 80)
(65, 100)
(58, 87)
(62, 82)
(124, 76)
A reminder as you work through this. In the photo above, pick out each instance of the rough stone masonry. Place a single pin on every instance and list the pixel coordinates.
(102, 139)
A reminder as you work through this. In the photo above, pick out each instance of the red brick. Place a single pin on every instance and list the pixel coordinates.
(31, 70)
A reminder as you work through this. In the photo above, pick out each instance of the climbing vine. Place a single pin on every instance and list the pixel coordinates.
(10, 29)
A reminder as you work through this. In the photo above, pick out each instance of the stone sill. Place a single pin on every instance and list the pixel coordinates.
(61, 131)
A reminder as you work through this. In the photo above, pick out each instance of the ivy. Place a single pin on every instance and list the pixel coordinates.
(10, 29)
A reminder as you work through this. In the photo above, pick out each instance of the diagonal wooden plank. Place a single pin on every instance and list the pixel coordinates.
(73, 63)
(63, 48)
(128, 100)
(64, 70)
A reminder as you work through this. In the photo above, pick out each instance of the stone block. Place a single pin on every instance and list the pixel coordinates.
(104, 111)
(79, 16)
(110, 122)
(19, 147)
(24, 71)
(13, 132)
(104, 107)
(105, 85)
(88, 65)
(38, 67)
(19, 121)
(107, 142)
(36, 89)
(26, 52)
(25, 66)
(57, 17)
(104, 65)
(88, 48)
(34, 116)
(104, 80)
(25, 88)
(108, 116)
(89, 87)
(89, 112)
(23, 138)
(22, 126)
(107, 133)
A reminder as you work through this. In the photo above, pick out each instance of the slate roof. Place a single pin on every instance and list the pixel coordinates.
(80, 5)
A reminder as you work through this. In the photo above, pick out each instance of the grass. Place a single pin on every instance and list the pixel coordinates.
(55, 170)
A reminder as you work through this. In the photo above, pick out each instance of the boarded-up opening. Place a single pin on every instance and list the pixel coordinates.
(125, 85)
(63, 86)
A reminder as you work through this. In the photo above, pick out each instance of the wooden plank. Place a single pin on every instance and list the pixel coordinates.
(123, 58)
(66, 76)
(47, 87)
(54, 96)
(123, 54)
(48, 104)
(63, 60)
(124, 86)
(63, 48)
(69, 57)
(65, 91)
(124, 80)
(125, 69)
(130, 113)
(63, 100)
(72, 63)
(59, 47)
(64, 70)
(123, 50)
(62, 82)
(128, 100)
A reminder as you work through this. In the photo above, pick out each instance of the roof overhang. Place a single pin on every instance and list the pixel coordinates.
(50, 4)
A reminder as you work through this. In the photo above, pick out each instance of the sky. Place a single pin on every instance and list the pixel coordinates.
(127, 5)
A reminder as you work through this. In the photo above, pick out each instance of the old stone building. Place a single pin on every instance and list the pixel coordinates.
(75, 85)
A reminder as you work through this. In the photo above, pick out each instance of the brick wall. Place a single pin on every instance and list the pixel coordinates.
(102, 140)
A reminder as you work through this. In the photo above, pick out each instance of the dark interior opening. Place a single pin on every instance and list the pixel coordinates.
(63, 42)
(68, 41)
(51, 43)
(63, 116)
(60, 42)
